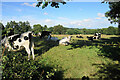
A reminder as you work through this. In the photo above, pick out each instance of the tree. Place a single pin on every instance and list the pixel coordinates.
(37, 28)
(45, 28)
(59, 29)
(113, 14)
(2, 30)
(53, 3)
(9, 29)
(17, 27)
(1, 26)
(25, 26)
(84, 30)
(50, 29)
(9, 25)
(111, 30)
(70, 31)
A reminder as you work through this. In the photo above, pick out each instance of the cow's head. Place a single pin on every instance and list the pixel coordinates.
(10, 42)
(16, 44)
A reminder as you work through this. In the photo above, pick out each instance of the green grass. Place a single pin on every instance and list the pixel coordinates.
(81, 58)
(75, 63)
(77, 60)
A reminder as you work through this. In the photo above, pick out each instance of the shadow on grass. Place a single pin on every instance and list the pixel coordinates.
(111, 40)
(111, 49)
(109, 71)
(108, 47)
(81, 43)
(112, 52)
(43, 45)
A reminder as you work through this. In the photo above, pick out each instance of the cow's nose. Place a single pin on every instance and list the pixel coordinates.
(17, 47)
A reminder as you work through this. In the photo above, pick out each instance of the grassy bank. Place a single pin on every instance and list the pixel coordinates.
(81, 58)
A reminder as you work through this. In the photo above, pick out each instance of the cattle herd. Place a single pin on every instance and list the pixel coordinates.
(15, 42)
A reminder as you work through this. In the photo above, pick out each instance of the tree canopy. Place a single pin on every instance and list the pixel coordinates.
(20, 27)
(37, 28)
(53, 3)
(113, 14)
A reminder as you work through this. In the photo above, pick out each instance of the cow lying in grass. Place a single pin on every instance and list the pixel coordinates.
(65, 41)
(79, 37)
(17, 41)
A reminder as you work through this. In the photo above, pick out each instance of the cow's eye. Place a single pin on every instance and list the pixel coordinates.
(19, 40)
(25, 38)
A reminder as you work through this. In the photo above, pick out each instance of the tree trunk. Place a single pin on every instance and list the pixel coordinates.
(119, 28)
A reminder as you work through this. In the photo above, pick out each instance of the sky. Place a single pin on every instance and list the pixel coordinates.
(88, 15)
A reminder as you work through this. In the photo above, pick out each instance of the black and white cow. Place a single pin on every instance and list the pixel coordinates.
(17, 41)
(45, 33)
(65, 41)
(97, 36)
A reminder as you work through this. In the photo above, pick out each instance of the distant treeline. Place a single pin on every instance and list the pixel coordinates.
(20, 27)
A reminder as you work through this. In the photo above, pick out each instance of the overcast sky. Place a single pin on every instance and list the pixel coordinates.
(73, 14)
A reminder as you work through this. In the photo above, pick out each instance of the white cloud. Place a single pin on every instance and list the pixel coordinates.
(79, 24)
(48, 20)
(66, 22)
(50, 0)
(62, 18)
(92, 23)
(101, 15)
(19, 0)
(98, 18)
(6, 19)
(87, 20)
(45, 13)
(32, 5)
(73, 22)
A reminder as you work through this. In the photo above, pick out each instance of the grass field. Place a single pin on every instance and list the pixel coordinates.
(95, 59)
(78, 59)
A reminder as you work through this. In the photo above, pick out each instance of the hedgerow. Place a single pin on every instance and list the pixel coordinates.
(16, 66)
